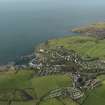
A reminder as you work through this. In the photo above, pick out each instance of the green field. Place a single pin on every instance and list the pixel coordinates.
(9, 81)
(87, 46)
(24, 89)
(42, 85)
(54, 101)
(96, 96)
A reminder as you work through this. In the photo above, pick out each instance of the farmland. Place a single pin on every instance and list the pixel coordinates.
(65, 71)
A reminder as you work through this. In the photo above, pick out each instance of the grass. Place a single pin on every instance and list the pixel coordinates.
(97, 96)
(14, 81)
(87, 46)
(53, 101)
(40, 86)
(84, 45)
(65, 101)
(24, 103)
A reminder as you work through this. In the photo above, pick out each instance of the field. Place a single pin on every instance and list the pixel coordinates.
(88, 47)
(22, 88)
(40, 86)
(35, 88)
(84, 45)
(96, 96)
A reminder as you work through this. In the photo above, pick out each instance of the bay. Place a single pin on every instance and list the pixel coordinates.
(26, 23)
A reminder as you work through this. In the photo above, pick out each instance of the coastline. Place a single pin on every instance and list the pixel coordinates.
(81, 31)
(72, 57)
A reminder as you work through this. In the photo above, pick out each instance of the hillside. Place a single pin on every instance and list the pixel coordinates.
(65, 71)
(22, 89)
(89, 48)
(84, 45)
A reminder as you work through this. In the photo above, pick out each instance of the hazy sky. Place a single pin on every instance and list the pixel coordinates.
(79, 2)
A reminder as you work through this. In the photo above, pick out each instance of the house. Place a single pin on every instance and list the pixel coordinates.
(41, 50)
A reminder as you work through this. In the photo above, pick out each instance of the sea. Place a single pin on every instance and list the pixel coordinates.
(26, 23)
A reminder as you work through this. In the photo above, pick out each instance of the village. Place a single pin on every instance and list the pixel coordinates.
(62, 61)
(59, 60)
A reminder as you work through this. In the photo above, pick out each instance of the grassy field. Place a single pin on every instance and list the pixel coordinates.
(42, 85)
(87, 46)
(13, 85)
(9, 81)
(64, 101)
(53, 101)
(97, 96)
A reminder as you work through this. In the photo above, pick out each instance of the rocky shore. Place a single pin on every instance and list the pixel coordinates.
(94, 30)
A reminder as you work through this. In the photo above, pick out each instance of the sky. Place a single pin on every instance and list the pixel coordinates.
(79, 2)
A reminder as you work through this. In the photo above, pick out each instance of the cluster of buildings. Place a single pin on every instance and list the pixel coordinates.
(54, 60)
(73, 93)
(61, 60)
